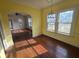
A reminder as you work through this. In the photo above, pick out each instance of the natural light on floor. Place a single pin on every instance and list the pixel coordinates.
(27, 48)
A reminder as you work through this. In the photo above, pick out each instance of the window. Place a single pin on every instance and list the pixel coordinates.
(65, 21)
(51, 18)
(61, 22)
(11, 24)
(30, 22)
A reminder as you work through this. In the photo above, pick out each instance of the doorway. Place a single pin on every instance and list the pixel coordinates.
(20, 26)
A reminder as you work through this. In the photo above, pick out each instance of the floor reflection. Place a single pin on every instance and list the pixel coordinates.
(29, 50)
(61, 52)
(21, 44)
(40, 49)
(44, 47)
(32, 41)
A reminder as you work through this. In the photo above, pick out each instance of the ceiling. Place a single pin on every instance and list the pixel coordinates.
(37, 3)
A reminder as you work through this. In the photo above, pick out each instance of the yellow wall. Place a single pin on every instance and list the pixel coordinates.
(35, 13)
(73, 40)
(38, 17)
(7, 7)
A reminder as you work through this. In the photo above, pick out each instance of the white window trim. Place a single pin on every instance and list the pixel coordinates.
(73, 21)
(47, 23)
(73, 25)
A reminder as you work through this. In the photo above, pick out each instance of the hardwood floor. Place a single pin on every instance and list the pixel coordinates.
(43, 47)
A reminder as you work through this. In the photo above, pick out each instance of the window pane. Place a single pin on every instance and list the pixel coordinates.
(51, 18)
(65, 20)
(64, 28)
(30, 22)
(10, 24)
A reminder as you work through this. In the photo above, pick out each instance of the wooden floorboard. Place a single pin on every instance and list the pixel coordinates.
(44, 47)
